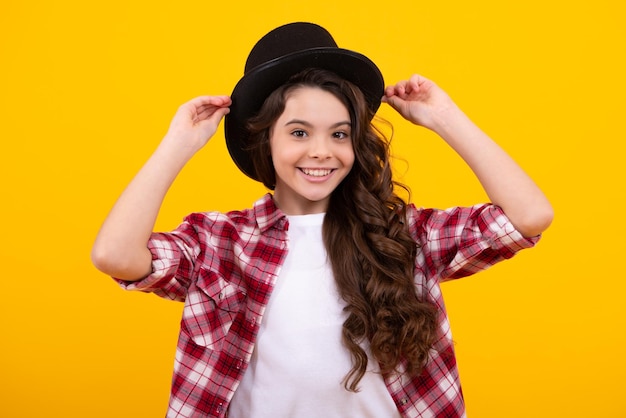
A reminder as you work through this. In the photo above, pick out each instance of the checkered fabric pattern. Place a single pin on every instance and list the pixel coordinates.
(224, 266)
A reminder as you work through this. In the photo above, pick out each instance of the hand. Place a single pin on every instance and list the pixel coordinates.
(196, 121)
(419, 101)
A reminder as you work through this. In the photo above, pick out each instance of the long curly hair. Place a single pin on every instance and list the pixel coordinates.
(365, 233)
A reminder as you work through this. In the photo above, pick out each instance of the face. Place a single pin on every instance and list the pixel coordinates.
(311, 148)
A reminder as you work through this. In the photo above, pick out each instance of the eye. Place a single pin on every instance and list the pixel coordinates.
(298, 133)
(341, 135)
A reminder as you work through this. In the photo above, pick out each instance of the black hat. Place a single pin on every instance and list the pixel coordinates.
(276, 57)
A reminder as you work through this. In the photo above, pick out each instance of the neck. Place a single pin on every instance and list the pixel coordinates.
(300, 206)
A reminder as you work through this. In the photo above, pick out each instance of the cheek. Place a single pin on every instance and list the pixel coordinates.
(349, 157)
(280, 156)
(287, 152)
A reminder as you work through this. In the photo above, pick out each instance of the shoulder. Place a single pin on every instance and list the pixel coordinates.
(419, 217)
(485, 221)
(262, 215)
(214, 219)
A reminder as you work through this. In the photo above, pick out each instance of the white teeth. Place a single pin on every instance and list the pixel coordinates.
(317, 172)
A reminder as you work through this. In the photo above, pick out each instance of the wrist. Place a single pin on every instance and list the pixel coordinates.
(446, 118)
(173, 154)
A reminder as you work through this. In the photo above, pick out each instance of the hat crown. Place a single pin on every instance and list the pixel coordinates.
(288, 39)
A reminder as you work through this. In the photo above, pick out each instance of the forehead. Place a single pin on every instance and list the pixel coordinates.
(314, 101)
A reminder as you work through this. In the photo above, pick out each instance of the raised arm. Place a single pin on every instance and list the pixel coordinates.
(422, 102)
(120, 249)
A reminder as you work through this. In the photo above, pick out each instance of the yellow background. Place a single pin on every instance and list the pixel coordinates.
(87, 90)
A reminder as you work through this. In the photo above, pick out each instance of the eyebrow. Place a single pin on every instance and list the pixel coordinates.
(308, 124)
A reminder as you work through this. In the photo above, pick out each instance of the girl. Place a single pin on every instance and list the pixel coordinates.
(323, 299)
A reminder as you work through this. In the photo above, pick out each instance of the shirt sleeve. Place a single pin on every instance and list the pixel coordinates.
(174, 256)
(461, 241)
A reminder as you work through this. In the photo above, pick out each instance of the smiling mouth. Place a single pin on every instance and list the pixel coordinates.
(316, 172)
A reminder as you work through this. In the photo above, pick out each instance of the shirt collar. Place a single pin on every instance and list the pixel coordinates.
(268, 215)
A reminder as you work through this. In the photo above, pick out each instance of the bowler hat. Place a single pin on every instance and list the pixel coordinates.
(283, 52)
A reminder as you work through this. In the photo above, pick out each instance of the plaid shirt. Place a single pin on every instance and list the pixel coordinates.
(223, 266)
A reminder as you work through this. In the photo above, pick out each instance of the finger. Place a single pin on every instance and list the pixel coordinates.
(390, 91)
(415, 79)
(413, 85)
(221, 113)
(210, 114)
(205, 105)
(212, 100)
(215, 117)
(207, 109)
(396, 89)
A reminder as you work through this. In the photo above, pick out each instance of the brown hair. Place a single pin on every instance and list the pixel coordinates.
(365, 234)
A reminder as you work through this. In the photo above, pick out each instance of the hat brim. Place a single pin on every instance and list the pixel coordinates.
(255, 86)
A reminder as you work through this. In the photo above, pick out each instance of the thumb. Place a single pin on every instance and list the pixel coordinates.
(217, 116)
(220, 113)
(394, 101)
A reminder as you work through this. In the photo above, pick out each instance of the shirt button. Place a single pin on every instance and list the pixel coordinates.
(239, 364)
(404, 401)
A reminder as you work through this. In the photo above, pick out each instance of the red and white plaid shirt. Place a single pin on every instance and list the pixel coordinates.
(223, 266)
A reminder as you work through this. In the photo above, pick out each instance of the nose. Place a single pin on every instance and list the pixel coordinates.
(320, 148)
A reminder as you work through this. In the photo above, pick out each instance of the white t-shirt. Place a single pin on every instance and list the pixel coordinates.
(299, 363)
